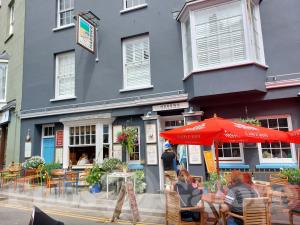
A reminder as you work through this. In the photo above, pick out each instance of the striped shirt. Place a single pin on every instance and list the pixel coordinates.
(236, 195)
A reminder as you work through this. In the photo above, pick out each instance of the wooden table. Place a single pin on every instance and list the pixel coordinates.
(212, 200)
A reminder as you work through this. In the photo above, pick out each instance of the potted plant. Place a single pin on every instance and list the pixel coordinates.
(215, 182)
(123, 167)
(110, 164)
(33, 163)
(127, 138)
(93, 178)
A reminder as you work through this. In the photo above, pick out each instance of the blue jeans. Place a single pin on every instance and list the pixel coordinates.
(230, 221)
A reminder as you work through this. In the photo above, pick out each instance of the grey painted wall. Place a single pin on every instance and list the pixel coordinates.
(103, 80)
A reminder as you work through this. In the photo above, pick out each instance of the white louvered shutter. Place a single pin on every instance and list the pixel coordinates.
(137, 63)
(220, 35)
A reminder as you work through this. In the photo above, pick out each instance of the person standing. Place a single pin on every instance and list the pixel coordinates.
(169, 163)
(182, 156)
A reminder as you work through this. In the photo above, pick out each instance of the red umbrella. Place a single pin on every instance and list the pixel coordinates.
(294, 136)
(218, 130)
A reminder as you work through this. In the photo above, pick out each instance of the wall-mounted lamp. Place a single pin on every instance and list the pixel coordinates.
(148, 114)
(28, 137)
(191, 110)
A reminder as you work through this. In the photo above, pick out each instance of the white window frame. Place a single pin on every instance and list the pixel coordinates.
(11, 18)
(5, 94)
(141, 5)
(58, 12)
(293, 148)
(83, 144)
(124, 43)
(43, 136)
(248, 33)
(139, 141)
(57, 96)
(230, 159)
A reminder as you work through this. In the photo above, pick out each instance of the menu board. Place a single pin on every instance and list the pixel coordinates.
(116, 130)
(59, 138)
(27, 149)
(195, 154)
(209, 161)
(150, 133)
(151, 151)
(117, 152)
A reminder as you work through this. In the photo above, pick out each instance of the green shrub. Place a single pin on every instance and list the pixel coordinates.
(110, 164)
(211, 184)
(292, 174)
(52, 166)
(95, 175)
(140, 184)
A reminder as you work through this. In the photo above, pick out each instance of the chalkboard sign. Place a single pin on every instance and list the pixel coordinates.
(126, 188)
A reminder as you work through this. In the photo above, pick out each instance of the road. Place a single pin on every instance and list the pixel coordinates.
(15, 213)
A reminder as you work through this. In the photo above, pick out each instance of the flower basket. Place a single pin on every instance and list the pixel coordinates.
(128, 138)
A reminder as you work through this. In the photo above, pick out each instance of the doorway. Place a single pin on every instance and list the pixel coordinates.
(3, 139)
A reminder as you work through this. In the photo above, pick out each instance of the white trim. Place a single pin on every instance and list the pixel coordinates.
(293, 148)
(4, 101)
(227, 66)
(125, 10)
(11, 18)
(231, 159)
(137, 88)
(62, 99)
(124, 104)
(63, 27)
(124, 57)
(58, 15)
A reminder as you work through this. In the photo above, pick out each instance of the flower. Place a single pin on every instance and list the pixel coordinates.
(128, 138)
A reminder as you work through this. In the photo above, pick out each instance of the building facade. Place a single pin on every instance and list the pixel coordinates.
(160, 66)
(12, 16)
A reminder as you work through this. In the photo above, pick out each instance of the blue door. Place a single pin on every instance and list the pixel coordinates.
(48, 149)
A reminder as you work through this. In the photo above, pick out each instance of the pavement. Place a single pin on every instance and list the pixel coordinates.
(95, 207)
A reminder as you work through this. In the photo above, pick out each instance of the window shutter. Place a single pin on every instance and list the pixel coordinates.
(137, 63)
(220, 35)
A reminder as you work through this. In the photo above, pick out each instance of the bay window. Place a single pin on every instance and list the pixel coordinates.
(222, 35)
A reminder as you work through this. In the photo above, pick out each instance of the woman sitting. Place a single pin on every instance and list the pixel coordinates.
(83, 160)
(189, 195)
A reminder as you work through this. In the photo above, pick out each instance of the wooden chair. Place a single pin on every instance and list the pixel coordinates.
(39, 174)
(256, 211)
(50, 183)
(294, 203)
(13, 172)
(71, 179)
(27, 178)
(173, 210)
(277, 189)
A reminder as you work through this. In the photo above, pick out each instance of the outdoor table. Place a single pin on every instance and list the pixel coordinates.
(212, 200)
(123, 175)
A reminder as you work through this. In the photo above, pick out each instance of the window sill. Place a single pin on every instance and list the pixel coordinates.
(63, 27)
(133, 8)
(8, 38)
(62, 99)
(276, 165)
(226, 67)
(136, 89)
(234, 166)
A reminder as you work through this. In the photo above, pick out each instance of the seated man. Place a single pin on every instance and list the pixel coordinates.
(189, 195)
(236, 194)
(83, 160)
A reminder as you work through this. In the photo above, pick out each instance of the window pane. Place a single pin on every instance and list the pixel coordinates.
(264, 123)
(227, 152)
(267, 153)
(283, 122)
(137, 62)
(236, 153)
(273, 123)
(3, 73)
(65, 74)
(220, 35)
(286, 153)
(71, 140)
(93, 141)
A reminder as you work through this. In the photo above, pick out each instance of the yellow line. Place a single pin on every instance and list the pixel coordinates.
(72, 215)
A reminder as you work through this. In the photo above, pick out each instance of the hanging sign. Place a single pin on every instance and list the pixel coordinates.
(209, 161)
(86, 34)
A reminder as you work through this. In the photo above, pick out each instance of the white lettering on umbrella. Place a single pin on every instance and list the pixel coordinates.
(245, 127)
(199, 127)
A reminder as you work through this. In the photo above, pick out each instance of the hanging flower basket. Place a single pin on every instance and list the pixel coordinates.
(128, 139)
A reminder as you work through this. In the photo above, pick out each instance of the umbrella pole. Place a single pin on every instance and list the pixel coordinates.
(217, 158)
